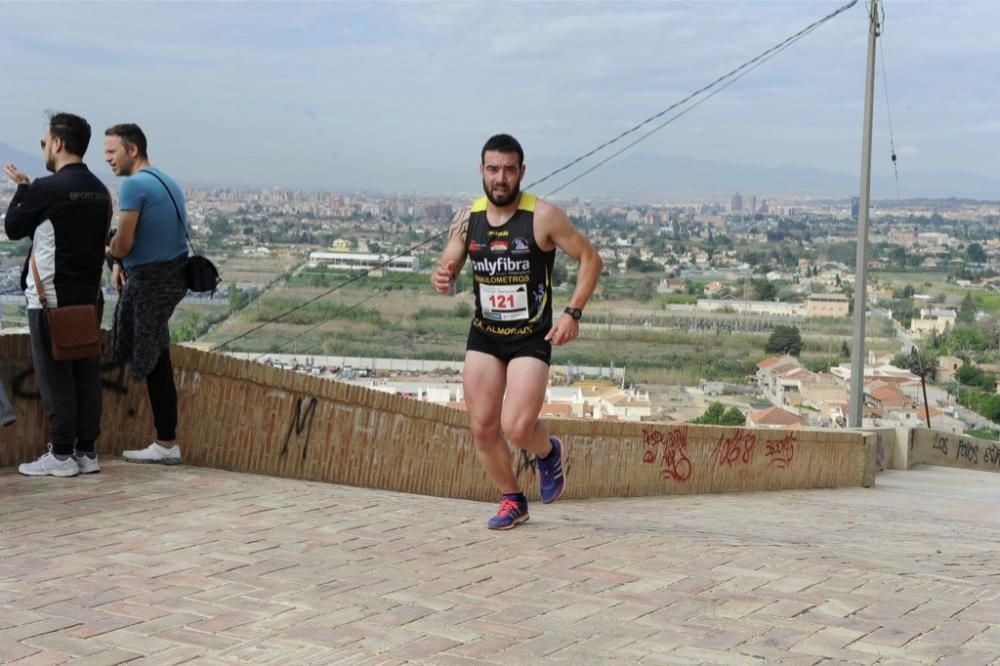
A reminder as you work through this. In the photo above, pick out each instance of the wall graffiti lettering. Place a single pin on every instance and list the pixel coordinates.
(676, 464)
(525, 463)
(24, 387)
(781, 452)
(967, 451)
(991, 456)
(879, 453)
(941, 444)
(301, 423)
(734, 449)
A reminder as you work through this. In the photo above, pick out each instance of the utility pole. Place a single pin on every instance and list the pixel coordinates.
(854, 414)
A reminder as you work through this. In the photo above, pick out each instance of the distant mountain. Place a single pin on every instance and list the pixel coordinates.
(644, 176)
(32, 165)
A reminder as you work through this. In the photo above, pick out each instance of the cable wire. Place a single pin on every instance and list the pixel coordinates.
(888, 111)
(353, 278)
(764, 54)
(720, 84)
(669, 120)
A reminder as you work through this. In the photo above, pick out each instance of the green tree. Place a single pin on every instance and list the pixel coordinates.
(845, 350)
(969, 375)
(976, 253)
(646, 289)
(717, 414)
(988, 382)
(712, 415)
(766, 291)
(733, 417)
(966, 339)
(967, 312)
(784, 340)
(924, 362)
(220, 228)
(235, 298)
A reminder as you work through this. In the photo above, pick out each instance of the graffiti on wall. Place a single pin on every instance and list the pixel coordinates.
(525, 463)
(669, 447)
(23, 383)
(742, 447)
(735, 449)
(301, 423)
(965, 451)
(991, 456)
(781, 452)
(879, 453)
(739, 448)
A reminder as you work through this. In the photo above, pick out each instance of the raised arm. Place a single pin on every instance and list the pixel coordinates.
(27, 207)
(453, 257)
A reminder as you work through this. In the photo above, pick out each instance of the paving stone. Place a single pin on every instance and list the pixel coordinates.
(246, 569)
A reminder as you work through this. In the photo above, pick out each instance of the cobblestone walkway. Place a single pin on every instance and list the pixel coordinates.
(151, 565)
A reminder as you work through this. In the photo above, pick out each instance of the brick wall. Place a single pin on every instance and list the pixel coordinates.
(241, 416)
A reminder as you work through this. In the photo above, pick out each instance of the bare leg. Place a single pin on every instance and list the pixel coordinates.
(527, 378)
(484, 379)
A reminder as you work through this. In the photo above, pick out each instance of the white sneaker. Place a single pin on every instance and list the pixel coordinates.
(87, 464)
(156, 454)
(49, 465)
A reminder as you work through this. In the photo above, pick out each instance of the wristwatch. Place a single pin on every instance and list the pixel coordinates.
(575, 313)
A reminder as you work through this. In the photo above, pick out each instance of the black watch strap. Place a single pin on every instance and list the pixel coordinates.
(575, 313)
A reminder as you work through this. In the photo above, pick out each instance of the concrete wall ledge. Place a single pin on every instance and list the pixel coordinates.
(243, 416)
(946, 449)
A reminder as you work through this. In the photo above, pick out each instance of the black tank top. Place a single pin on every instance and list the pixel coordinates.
(513, 276)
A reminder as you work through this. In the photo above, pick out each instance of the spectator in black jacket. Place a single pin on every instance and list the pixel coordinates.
(67, 216)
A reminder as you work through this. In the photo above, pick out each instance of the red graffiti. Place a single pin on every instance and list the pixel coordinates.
(781, 451)
(734, 449)
(676, 465)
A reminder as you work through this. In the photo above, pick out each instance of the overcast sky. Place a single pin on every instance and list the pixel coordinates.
(384, 95)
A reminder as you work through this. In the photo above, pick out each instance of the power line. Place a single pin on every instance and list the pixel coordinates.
(288, 341)
(749, 63)
(669, 120)
(720, 84)
(888, 111)
(353, 278)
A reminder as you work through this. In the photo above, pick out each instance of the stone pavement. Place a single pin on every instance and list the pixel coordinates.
(151, 565)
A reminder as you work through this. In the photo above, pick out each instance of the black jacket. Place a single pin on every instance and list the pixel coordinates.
(67, 216)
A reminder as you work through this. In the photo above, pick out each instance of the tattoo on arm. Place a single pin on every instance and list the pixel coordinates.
(459, 228)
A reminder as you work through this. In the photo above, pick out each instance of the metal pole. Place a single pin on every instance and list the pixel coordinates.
(923, 382)
(861, 263)
(927, 409)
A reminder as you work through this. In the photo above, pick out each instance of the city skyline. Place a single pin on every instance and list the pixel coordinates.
(387, 96)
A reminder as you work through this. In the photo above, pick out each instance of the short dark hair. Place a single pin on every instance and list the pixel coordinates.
(72, 130)
(502, 143)
(131, 135)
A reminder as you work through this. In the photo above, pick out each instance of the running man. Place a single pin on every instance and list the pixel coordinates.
(511, 238)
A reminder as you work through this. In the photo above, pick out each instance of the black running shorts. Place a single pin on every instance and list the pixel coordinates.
(533, 346)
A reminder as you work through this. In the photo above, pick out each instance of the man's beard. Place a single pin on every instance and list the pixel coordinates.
(506, 201)
(50, 164)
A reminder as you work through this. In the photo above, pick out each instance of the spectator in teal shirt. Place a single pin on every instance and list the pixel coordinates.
(149, 249)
